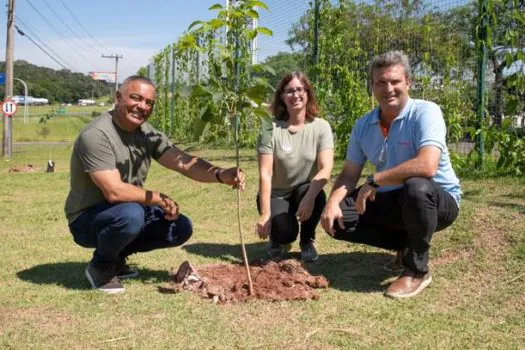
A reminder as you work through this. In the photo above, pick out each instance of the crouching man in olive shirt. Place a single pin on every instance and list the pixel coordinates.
(107, 207)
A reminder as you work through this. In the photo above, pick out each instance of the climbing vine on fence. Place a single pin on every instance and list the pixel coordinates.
(508, 30)
(212, 80)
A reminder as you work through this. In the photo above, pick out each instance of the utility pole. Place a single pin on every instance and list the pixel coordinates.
(116, 57)
(7, 144)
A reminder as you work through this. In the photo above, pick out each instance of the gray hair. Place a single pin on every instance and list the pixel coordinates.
(133, 78)
(389, 59)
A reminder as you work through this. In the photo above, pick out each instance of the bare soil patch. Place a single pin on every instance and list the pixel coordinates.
(491, 237)
(222, 283)
(22, 168)
(452, 255)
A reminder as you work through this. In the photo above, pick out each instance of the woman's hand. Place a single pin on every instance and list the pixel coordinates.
(263, 226)
(305, 209)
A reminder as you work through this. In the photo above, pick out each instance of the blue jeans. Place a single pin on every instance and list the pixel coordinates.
(118, 230)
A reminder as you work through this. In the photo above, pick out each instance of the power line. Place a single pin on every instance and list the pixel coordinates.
(81, 26)
(41, 48)
(27, 28)
(71, 45)
(67, 26)
(124, 62)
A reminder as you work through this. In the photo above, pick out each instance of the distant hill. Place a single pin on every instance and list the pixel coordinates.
(58, 86)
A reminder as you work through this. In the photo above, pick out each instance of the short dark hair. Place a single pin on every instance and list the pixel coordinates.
(389, 59)
(133, 78)
(278, 108)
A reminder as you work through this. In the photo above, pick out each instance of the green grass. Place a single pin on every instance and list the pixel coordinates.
(38, 111)
(57, 129)
(475, 301)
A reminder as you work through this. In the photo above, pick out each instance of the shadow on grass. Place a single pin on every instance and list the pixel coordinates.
(353, 271)
(71, 275)
(471, 194)
(514, 206)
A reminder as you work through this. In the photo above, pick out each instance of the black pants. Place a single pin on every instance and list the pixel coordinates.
(403, 219)
(284, 224)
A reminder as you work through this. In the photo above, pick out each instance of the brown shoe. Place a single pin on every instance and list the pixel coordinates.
(408, 284)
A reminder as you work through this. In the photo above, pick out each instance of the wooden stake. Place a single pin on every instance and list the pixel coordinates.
(243, 247)
(244, 255)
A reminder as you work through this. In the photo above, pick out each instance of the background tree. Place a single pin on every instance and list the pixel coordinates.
(507, 56)
(58, 86)
(143, 71)
(437, 42)
(282, 63)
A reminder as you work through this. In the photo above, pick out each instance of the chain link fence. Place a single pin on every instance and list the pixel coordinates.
(466, 55)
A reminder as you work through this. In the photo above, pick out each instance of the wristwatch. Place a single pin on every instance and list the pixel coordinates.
(370, 181)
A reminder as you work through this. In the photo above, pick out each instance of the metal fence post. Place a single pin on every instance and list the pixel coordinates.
(315, 52)
(172, 89)
(482, 37)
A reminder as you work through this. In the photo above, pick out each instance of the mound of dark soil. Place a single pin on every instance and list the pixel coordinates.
(284, 280)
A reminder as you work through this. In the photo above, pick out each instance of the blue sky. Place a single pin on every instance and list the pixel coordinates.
(135, 29)
(132, 28)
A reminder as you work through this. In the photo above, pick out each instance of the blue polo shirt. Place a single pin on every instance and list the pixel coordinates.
(419, 124)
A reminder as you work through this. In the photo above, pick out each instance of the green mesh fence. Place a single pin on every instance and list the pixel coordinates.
(440, 38)
(334, 41)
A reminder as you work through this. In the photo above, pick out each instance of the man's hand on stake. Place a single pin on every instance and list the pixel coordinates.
(235, 177)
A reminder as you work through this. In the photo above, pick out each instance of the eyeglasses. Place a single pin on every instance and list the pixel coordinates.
(289, 92)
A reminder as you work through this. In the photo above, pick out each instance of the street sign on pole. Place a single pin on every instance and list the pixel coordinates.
(2, 78)
(9, 107)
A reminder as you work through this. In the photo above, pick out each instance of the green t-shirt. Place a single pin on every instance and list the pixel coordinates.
(102, 145)
(294, 154)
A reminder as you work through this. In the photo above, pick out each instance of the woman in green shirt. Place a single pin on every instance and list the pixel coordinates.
(295, 158)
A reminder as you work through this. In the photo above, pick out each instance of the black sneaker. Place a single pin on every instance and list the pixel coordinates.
(277, 251)
(308, 252)
(125, 271)
(104, 281)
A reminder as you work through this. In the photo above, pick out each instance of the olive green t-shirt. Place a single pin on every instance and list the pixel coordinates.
(294, 154)
(102, 145)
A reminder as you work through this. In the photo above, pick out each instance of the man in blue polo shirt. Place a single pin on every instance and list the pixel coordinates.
(414, 191)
